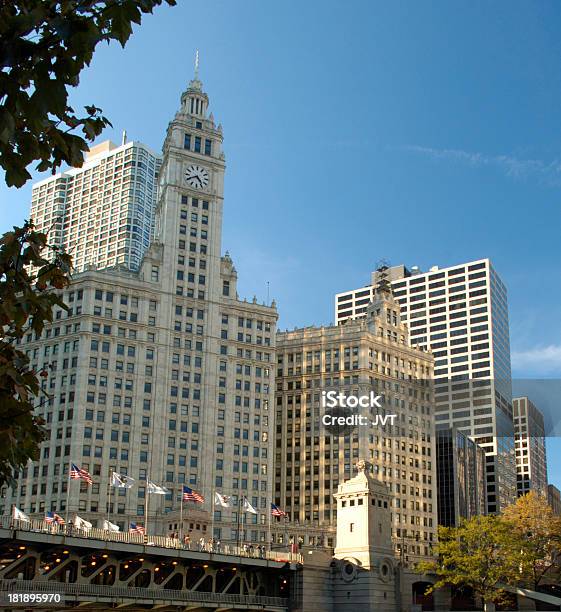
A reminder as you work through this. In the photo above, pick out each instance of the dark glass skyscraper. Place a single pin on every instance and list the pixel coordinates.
(460, 477)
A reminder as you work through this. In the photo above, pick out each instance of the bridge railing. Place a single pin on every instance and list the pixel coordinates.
(41, 526)
(81, 590)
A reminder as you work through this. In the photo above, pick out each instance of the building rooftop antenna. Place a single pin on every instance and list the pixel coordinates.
(382, 264)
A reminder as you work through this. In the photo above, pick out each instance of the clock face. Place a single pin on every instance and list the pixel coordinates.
(196, 176)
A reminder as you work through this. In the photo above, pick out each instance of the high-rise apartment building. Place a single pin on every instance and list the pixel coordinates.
(531, 462)
(355, 358)
(460, 476)
(461, 314)
(102, 213)
(161, 373)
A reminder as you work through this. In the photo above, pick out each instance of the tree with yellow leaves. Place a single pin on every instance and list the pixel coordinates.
(520, 548)
(480, 554)
(538, 531)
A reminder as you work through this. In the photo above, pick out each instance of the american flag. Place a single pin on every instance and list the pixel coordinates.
(77, 473)
(53, 517)
(135, 528)
(276, 511)
(190, 495)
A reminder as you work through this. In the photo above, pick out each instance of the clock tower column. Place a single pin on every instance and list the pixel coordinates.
(203, 419)
(189, 230)
(191, 195)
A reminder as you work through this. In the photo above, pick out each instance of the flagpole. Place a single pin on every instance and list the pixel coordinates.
(244, 520)
(212, 514)
(269, 527)
(109, 497)
(238, 523)
(68, 492)
(181, 517)
(146, 495)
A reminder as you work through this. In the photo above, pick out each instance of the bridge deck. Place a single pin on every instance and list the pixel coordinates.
(39, 531)
(105, 570)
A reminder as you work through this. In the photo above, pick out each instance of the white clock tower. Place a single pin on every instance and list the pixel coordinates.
(219, 370)
(192, 177)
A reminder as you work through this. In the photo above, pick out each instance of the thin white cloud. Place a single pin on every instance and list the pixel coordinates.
(513, 167)
(542, 361)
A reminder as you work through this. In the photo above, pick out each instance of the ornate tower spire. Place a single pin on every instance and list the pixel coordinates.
(195, 82)
(383, 314)
(194, 101)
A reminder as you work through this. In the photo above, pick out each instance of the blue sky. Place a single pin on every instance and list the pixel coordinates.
(421, 133)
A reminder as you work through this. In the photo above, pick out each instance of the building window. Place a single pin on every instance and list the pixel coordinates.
(187, 142)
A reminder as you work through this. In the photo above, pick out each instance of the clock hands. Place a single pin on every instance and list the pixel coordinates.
(197, 177)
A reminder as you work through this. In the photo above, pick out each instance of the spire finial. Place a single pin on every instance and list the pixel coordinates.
(197, 65)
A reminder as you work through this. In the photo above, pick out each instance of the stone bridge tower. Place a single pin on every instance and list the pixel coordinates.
(364, 566)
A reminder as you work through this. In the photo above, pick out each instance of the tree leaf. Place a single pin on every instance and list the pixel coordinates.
(44, 46)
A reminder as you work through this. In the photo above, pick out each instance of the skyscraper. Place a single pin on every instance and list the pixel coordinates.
(461, 314)
(356, 358)
(161, 374)
(460, 476)
(102, 213)
(531, 462)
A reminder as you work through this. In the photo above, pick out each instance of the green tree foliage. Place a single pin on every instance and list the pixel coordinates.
(538, 531)
(520, 548)
(479, 554)
(31, 272)
(44, 46)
